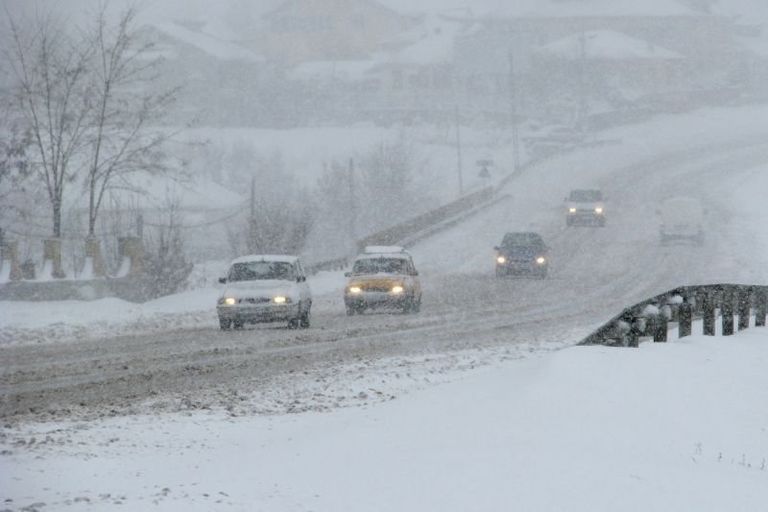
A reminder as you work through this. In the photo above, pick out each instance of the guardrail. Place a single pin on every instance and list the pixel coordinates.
(651, 318)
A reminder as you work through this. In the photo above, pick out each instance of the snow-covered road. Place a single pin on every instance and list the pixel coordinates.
(594, 272)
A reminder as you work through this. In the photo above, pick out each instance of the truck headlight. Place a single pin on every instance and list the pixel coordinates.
(397, 289)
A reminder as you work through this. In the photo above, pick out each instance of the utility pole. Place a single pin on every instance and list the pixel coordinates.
(252, 219)
(582, 115)
(458, 149)
(352, 202)
(513, 111)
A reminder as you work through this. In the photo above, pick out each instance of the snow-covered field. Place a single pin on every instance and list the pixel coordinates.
(676, 426)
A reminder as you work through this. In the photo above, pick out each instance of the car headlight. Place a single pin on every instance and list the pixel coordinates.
(501, 259)
(280, 299)
(571, 210)
(598, 210)
(229, 301)
(355, 289)
(541, 260)
(397, 289)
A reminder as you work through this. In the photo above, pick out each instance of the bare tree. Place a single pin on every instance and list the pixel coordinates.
(51, 73)
(124, 137)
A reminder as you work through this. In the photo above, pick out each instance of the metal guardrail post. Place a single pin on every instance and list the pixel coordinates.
(727, 311)
(761, 307)
(685, 319)
(708, 306)
(743, 308)
(660, 328)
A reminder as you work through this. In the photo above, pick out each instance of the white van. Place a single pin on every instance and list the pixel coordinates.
(681, 219)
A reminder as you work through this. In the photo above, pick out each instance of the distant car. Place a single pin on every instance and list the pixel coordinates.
(681, 219)
(265, 288)
(383, 277)
(523, 253)
(585, 207)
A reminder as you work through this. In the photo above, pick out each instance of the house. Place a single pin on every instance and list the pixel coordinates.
(326, 30)
(521, 36)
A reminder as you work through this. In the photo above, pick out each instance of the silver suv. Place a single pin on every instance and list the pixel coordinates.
(585, 207)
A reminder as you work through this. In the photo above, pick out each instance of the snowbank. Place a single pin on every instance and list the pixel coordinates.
(676, 426)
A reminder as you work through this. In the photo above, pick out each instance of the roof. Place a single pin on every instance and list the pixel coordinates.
(606, 45)
(326, 70)
(284, 258)
(378, 249)
(208, 44)
(593, 8)
(430, 42)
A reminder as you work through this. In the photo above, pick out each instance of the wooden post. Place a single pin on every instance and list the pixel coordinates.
(726, 310)
(660, 328)
(685, 319)
(761, 307)
(708, 306)
(743, 308)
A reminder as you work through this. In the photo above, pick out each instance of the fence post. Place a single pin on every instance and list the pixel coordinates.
(761, 307)
(744, 303)
(685, 319)
(726, 310)
(9, 259)
(708, 307)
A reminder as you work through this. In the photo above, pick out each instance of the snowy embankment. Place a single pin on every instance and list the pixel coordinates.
(676, 426)
(60, 321)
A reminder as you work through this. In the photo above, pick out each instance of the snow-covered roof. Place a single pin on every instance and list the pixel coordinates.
(430, 42)
(606, 44)
(386, 255)
(326, 70)
(206, 43)
(282, 258)
(550, 8)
